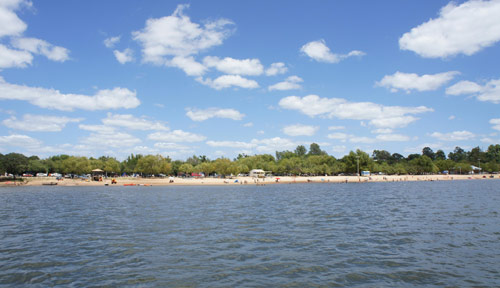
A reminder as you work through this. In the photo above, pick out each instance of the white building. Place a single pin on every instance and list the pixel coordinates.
(259, 173)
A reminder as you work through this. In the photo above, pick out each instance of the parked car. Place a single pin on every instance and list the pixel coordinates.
(41, 174)
(27, 175)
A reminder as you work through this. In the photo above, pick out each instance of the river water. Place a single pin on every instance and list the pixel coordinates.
(288, 235)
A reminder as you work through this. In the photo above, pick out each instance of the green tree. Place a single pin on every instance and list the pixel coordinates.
(440, 155)
(186, 168)
(153, 164)
(427, 151)
(300, 151)
(457, 155)
(314, 149)
(381, 156)
(15, 163)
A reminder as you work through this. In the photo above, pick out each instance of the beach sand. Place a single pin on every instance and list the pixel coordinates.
(130, 181)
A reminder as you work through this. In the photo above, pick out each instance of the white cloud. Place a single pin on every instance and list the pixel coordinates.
(249, 124)
(124, 56)
(115, 98)
(300, 130)
(452, 117)
(10, 58)
(382, 131)
(176, 136)
(171, 146)
(202, 115)
(495, 123)
(453, 136)
(10, 24)
(380, 116)
(111, 41)
(290, 83)
(226, 81)
(463, 29)
(412, 81)
(176, 35)
(38, 46)
(231, 144)
(463, 87)
(131, 122)
(276, 68)
(17, 141)
(393, 138)
(114, 140)
(97, 128)
(39, 123)
(488, 92)
(318, 51)
(251, 67)
(387, 137)
(188, 65)
(13, 27)
(338, 136)
(331, 128)
(362, 139)
(268, 145)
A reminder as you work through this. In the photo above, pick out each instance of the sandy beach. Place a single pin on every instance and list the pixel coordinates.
(131, 181)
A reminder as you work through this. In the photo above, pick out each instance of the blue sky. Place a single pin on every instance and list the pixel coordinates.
(219, 78)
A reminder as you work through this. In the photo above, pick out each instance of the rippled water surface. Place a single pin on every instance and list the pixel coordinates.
(370, 234)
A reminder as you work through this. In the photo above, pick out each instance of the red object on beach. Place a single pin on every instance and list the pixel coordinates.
(129, 184)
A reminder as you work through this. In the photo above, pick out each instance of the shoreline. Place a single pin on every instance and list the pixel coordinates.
(130, 181)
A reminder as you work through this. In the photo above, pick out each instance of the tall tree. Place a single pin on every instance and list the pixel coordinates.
(427, 151)
(314, 149)
(300, 151)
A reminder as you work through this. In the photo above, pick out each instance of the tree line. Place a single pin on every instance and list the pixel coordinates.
(297, 162)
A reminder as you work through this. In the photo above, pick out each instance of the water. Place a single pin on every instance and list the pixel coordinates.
(290, 235)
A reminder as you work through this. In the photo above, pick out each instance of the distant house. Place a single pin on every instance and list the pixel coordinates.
(365, 173)
(475, 169)
(259, 173)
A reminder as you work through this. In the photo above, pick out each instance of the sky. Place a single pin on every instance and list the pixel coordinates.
(220, 78)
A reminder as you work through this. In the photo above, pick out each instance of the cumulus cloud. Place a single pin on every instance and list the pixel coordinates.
(188, 64)
(24, 48)
(228, 65)
(115, 98)
(97, 128)
(10, 24)
(111, 41)
(268, 145)
(131, 122)
(495, 123)
(39, 123)
(386, 137)
(276, 68)
(318, 51)
(41, 47)
(113, 140)
(379, 116)
(171, 146)
(202, 115)
(10, 58)
(453, 136)
(489, 92)
(231, 144)
(460, 29)
(300, 130)
(336, 128)
(226, 81)
(176, 136)
(412, 81)
(382, 131)
(176, 35)
(124, 56)
(17, 141)
(290, 83)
